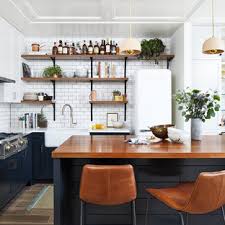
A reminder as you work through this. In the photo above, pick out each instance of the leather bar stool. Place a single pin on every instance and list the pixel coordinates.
(107, 185)
(203, 196)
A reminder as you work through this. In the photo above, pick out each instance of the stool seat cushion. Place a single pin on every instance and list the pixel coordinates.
(175, 197)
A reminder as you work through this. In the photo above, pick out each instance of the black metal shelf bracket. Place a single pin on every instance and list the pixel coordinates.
(168, 63)
(53, 104)
(91, 58)
(53, 61)
(125, 88)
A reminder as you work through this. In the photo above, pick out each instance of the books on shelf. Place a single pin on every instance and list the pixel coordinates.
(30, 120)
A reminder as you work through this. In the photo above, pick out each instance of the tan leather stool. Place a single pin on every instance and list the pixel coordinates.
(205, 195)
(108, 185)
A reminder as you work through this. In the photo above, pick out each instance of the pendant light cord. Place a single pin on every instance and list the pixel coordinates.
(213, 19)
(130, 27)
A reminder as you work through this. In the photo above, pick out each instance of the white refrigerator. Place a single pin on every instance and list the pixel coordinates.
(153, 99)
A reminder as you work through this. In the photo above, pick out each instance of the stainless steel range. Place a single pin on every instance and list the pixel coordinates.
(11, 143)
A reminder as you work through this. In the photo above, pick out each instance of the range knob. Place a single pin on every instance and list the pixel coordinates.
(7, 146)
(21, 141)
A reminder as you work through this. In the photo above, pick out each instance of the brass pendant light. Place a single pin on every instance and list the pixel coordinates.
(213, 45)
(130, 46)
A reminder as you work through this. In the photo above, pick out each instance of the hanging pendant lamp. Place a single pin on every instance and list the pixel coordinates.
(130, 46)
(213, 45)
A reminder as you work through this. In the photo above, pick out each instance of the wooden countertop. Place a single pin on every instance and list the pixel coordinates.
(115, 147)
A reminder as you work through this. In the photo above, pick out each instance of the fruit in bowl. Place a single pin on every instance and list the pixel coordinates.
(178, 136)
(160, 131)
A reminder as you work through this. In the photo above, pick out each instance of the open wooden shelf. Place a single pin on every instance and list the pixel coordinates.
(45, 102)
(95, 57)
(108, 102)
(73, 79)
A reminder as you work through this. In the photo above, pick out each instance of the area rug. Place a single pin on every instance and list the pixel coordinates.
(43, 200)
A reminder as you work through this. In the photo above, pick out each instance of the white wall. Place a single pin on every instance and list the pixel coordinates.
(181, 68)
(206, 71)
(10, 65)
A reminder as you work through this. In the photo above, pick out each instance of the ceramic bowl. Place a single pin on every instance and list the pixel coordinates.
(178, 136)
(160, 131)
(117, 124)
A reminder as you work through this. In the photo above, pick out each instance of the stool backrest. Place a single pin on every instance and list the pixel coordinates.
(108, 184)
(208, 193)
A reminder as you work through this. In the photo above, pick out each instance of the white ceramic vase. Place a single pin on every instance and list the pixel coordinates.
(196, 129)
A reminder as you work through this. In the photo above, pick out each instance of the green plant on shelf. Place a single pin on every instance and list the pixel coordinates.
(151, 48)
(52, 71)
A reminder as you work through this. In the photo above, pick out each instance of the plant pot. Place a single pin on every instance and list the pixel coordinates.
(42, 123)
(196, 129)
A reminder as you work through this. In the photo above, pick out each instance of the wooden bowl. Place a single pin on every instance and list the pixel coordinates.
(160, 131)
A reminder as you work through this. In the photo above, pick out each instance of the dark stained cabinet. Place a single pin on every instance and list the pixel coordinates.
(42, 163)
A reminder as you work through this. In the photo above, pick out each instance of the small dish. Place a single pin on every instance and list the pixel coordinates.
(178, 136)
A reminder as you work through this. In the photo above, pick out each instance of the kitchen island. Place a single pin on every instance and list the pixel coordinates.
(160, 164)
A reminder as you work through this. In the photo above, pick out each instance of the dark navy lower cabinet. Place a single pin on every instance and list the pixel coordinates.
(42, 163)
(14, 175)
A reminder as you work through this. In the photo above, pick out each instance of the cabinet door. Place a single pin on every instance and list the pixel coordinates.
(49, 161)
(4, 184)
(38, 159)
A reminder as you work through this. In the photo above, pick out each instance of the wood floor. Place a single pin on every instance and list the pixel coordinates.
(16, 213)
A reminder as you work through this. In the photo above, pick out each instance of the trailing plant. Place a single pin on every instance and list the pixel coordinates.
(196, 104)
(151, 48)
(52, 71)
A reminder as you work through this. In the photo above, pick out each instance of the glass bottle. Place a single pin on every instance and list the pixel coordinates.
(113, 48)
(107, 48)
(60, 48)
(90, 48)
(117, 49)
(102, 48)
(96, 48)
(65, 49)
(84, 48)
(54, 49)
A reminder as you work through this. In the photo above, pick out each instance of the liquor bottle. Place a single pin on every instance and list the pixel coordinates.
(60, 48)
(65, 49)
(84, 48)
(117, 49)
(102, 48)
(54, 49)
(96, 48)
(74, 49)
(78, 49)
(71, 49)
(107, 48)
(113, 48)
(90, 48)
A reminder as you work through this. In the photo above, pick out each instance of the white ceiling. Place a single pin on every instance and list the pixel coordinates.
(103, 17)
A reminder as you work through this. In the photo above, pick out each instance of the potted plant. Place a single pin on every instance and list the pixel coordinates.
(151, 48)
(116, 95)
(42, 121)
(198, 106)
(52, 71)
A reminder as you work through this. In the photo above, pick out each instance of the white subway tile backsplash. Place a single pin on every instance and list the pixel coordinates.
(4, 117)
(77, 94)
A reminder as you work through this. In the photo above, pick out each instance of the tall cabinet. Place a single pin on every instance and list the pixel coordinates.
(11, 48)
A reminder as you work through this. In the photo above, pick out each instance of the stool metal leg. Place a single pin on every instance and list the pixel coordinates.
(181, 218)
(82, 213)
(146, 212)
(133, 209)
(187, 217)
(223, 214)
